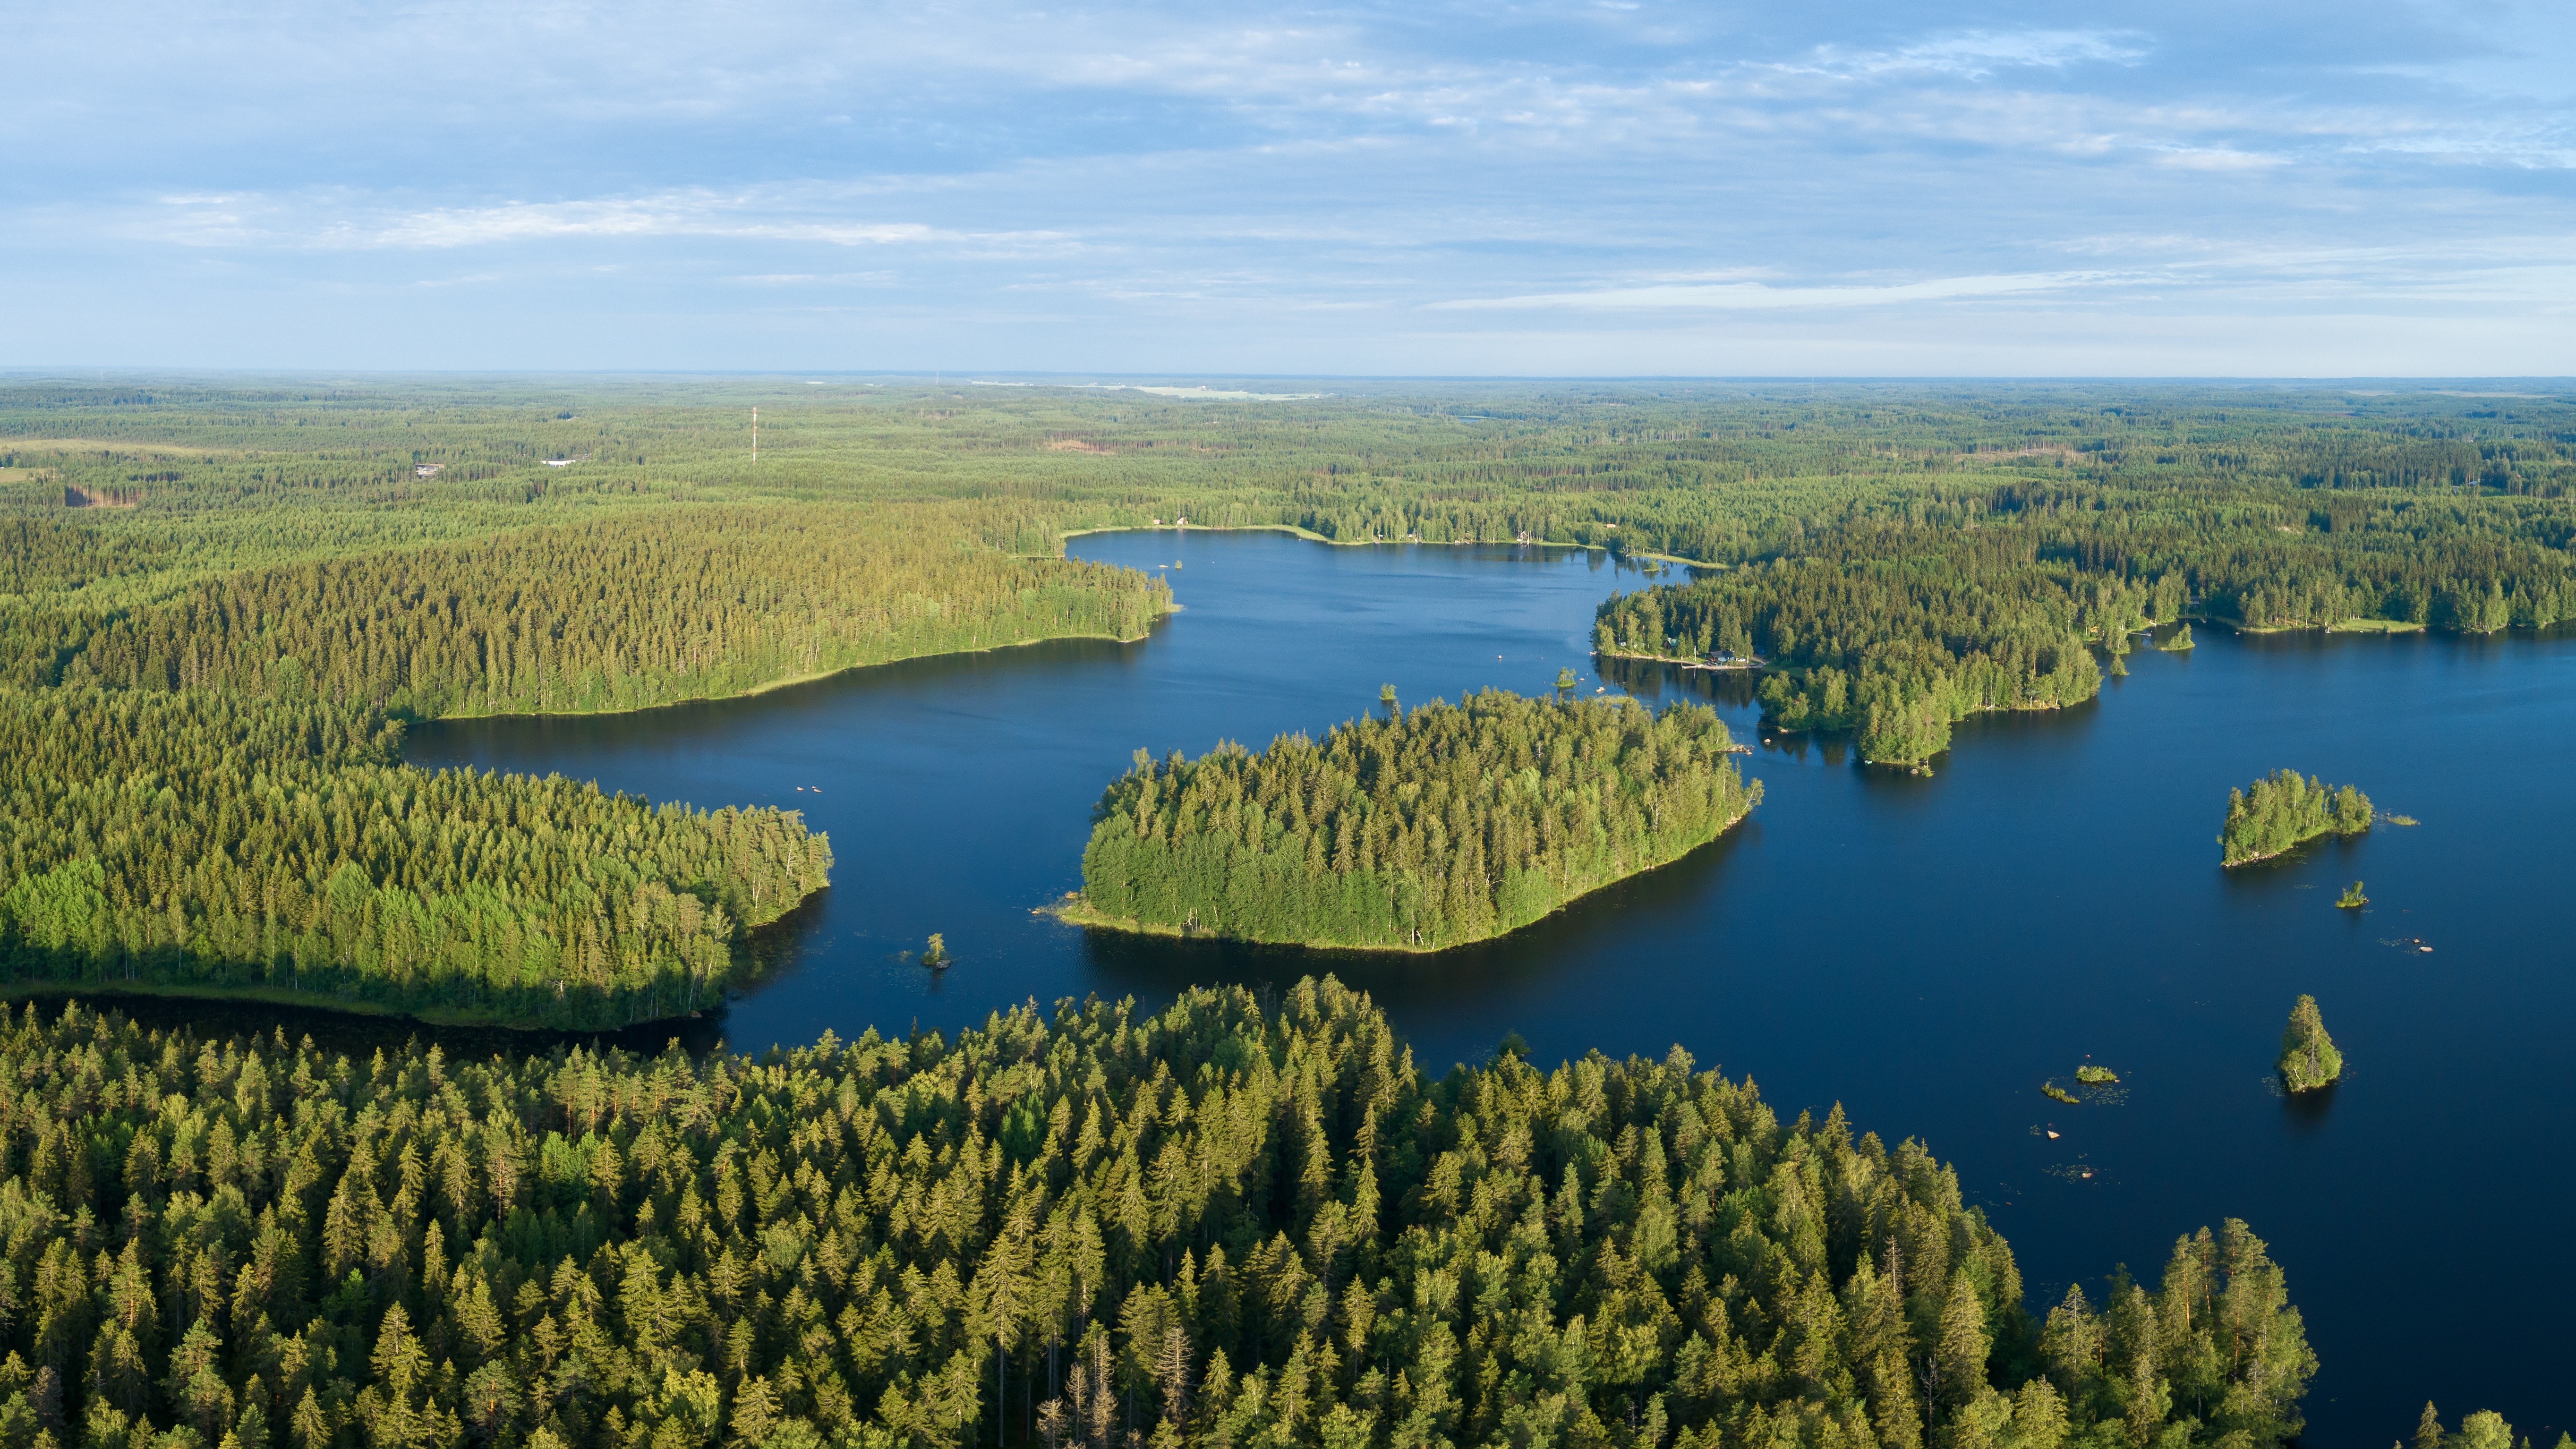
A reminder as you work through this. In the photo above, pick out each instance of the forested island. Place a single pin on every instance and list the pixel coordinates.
(1416, 831)
(1900, 556)
(2283, 811)
(1229, 1223)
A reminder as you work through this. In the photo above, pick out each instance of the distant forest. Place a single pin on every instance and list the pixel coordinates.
(1232, 1223)
(1900, 556)
(1428, 828)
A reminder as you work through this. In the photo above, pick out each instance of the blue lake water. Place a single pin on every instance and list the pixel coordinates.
(1925, 951)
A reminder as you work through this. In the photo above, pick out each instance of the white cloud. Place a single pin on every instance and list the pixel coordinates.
(1757, 296)
(340, 222)
(2218, 158)
(682, 214)
(1256, 177)
(1980, 53)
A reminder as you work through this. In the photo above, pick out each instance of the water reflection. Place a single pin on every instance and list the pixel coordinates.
(2306, 1111)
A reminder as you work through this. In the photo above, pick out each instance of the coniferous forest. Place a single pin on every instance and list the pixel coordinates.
(1423, 829)
(1896, 649)
(1897, 559)
(1233, 1222)
(199, 840)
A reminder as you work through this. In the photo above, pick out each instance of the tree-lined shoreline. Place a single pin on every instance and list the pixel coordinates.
(1424, 830)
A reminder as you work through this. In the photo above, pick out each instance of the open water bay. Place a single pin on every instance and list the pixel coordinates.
(1926, 951)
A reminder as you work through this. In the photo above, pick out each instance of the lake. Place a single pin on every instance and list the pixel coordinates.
(1925, 951)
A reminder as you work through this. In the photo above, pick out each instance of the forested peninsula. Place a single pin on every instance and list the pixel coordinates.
(2283, 811)
(403, 551)
(1420, 830)
(1879, 635)
(1230, 1223)
(198, 841)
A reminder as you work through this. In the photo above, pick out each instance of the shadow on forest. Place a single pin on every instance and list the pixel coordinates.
(34, 974)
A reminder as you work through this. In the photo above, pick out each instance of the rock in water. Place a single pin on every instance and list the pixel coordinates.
(2308, 1056)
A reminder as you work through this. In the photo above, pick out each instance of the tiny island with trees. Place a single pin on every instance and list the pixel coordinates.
(2285, 810)
(2308, 1056)
(1412, 831)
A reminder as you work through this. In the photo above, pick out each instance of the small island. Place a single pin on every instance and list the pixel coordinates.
(1413, 831)
(2284, 811)
(2308, 1056)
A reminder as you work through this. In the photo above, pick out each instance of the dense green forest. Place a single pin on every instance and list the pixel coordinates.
(614, 613)
(1423, 829)
(1903, 555)
(1897, 629)
(199, 840)
(2282, 811)
(1233, 1223)
(1896, 638)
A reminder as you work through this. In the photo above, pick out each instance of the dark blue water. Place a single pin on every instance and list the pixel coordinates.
(1924, 951)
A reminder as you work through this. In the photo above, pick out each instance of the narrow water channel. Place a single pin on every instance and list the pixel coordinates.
(1925, 951)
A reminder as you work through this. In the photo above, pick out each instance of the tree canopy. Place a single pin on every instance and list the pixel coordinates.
(2308, 1056)
(1418, 830)
(2282, 811)
(1902, 556)
(1228, 1223)
(203, 840)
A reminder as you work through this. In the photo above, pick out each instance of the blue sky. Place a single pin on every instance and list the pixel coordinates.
(1610, 187)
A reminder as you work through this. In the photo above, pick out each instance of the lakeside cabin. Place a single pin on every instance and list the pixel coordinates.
(1729, 659)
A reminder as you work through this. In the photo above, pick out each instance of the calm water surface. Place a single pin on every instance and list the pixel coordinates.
(1924, 951)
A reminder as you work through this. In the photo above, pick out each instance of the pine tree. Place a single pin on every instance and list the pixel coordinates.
(2428, 1428)
(2308, 1056)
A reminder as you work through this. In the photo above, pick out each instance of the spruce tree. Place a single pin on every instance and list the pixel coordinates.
(2308, 1056)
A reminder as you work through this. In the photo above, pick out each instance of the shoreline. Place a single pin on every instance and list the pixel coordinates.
(1311, 536)
(788, 683)
(440, 1016)
(1075, 910)
(2343, 626)
(1756, 667)
(2376, 820)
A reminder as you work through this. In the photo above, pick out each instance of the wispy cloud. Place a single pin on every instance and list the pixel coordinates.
(2218, 158)
(1152, 183)
(1980, 53)
(337, 222)
(1759, 296)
